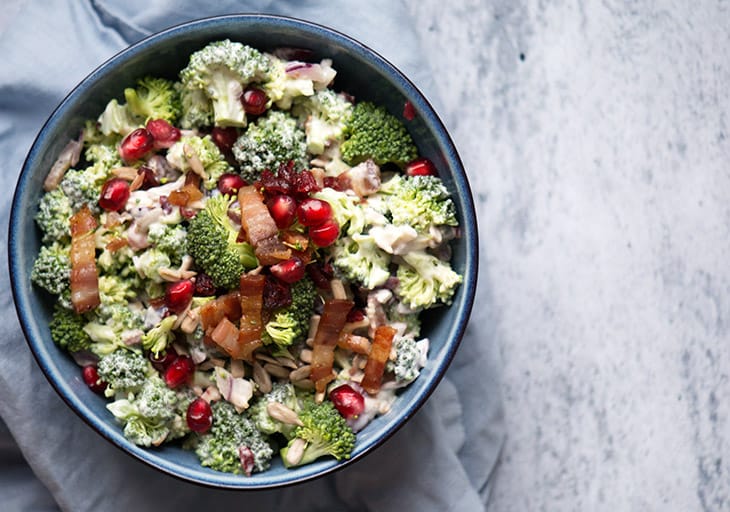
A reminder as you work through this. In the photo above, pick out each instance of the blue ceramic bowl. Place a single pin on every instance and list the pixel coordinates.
(361, 72)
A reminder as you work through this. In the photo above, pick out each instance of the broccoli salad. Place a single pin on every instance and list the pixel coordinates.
(240, 257)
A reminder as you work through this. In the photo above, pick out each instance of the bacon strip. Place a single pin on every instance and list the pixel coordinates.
(330, 325)
(225, 335)
(226, 306)
(252, 302)
(379, 353)
(188, 193)
(260, 228)
(84, 275)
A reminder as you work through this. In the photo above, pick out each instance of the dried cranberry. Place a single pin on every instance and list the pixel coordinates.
(149, 179)
(163, 133)
(114, 195)
(332, 182)
(224, 138)
(178, 295)
(136, 145)
(229, 183)
(355, 315)
(276, 294)
(245, 455)
(162, 360)
(348, 402)
(179, 372)
(303, 183)
(313, 212)
(421, 167)
(283, 209)
(325, 234)
(289, 271)
(199, 416)
(321, 275)
(204, 286)
(254, 101)
(91, 378)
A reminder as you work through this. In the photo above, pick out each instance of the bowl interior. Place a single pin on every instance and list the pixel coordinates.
(361, 73)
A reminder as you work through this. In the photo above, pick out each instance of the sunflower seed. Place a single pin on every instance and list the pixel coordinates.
(300, 373)
(276, 371)
(282, 413)
(261, 377)
(296, 451)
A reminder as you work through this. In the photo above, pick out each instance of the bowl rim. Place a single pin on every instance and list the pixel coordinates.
(467, 288)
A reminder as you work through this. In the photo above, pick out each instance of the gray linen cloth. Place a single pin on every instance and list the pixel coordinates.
(440, 461)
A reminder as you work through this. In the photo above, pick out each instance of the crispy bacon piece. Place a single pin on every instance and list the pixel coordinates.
(188, 193)
(379, 353)
(116, 243)
(260, 227)
(225, 335)
(226, 306)
(252, 301)
(330, 325)
(84, 275)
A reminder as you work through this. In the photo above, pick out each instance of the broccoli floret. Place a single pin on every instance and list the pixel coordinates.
(117, 119)
(154, 415)
(374, 133)
(324, 115)
(221, 70)
(52, 268)
(219, 448)
(157, 338)
(325, 432)
(283, 393)
(290, 324)
(347, 210)
(83, 187)
(424, 280)
(115, 290)
(197, 109)
(359, 259)
(153, 98)
(124, 371)
(214, 163)
(271, 141)
(54, 215)
(211, 241)
(408, 361)
(400, 314)
(105, 154)
(149, 263)
(67, 330)
(419, 201)
(170, 239)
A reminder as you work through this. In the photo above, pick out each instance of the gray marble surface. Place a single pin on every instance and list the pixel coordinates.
(595, 136)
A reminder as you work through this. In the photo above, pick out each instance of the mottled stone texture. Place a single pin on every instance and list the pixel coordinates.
(595, 136)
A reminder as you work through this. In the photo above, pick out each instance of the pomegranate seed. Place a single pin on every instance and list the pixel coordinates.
(421, 167)
(163, 133)
(348, 402)
(114, 195)
(325, 234)
(136, 145)
(409, 111)
(199, 416)
(178, 295)
(313, 212)
(224, 138)
(229, 184)
(149, 178)
(283, 209)
(163, 359)
(289, 271)
(179, 371)
(254, 101)
(204, 286)
(91, 378)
